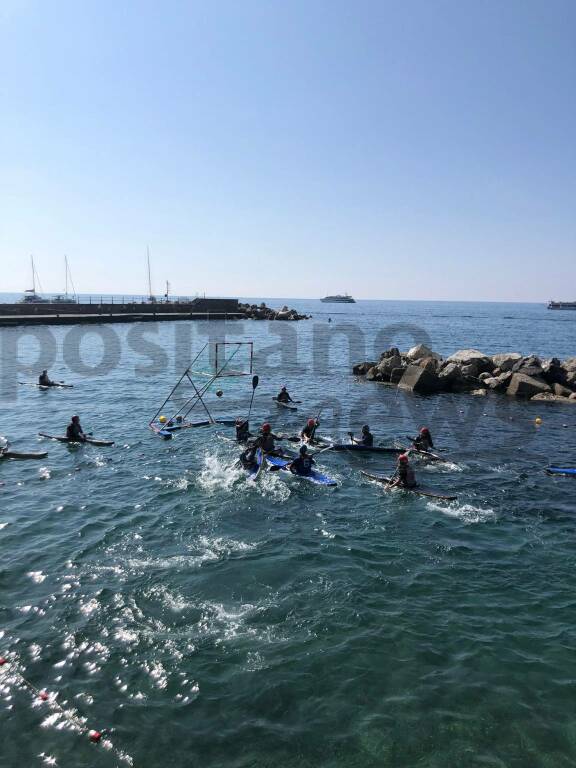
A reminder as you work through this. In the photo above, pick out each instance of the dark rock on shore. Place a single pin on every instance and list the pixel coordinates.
(423, 371)
(262, 312)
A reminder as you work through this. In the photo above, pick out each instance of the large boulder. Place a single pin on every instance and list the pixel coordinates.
(396, 375)
(506, 360)
(374, 374)
(548, 397)
(392, 352)
(420, 351)
(449, 376)
(387, 365)
(561, 391)
(553, 372)
(416, 379)
(522, 385)
(498, 383)
(529, 366)
(361, 369)
(473, 357)
(431, 364)
(569, 364)
(571, 379)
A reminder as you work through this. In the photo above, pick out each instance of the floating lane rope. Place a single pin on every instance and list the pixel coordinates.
(79, 723)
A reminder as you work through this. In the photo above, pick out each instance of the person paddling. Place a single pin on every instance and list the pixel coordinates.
(404, 476)
(367, 438)
(283, 396)
(74, 431)
(267, 440)
(44, 380)
(303, 463)
(424, 440)
(309, 431)
(248, 458)
(4, 445)
(242, 430)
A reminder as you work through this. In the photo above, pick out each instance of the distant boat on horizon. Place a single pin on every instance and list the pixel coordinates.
(30, 295)
(562, 305)
(339, 299)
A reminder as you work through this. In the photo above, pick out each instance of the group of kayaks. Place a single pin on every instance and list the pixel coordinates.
(44, 383)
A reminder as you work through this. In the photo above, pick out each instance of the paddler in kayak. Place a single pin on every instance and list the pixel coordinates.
(242, 430)
(266, 440)
(404, 476)
(303, 463)
(309, 431)
(44, 380)
(424, 440)
(74, 431)
(283, 396)
(248, 458)
(367, 439)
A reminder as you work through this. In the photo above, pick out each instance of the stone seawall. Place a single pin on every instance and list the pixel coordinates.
(423, 371)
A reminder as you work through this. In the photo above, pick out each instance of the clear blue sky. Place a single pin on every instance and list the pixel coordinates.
(406, 149)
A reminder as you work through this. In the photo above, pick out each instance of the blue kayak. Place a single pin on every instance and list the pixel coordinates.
(314, 477)
(561, 470)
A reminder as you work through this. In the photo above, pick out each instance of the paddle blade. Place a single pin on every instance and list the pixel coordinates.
(255, 381)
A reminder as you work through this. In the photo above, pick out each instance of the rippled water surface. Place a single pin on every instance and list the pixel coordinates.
(201, 619)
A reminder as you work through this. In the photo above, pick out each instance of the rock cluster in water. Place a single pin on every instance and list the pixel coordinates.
(262, 312)
(423, 371)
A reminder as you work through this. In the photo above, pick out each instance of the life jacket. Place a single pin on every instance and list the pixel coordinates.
(283, 397)
(409, 479)
(266, 442)
(367, 440)
(302, 465)
(242, 431)
(73, 431)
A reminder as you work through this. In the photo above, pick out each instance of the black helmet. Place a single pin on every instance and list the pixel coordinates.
(303, 450)
(365, 428)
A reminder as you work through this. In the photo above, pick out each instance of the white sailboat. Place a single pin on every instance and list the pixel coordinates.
(66, 298)
(151, 298)
(30, 295)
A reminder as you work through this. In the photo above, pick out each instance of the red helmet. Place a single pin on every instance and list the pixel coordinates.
(266, 427)
(424, 431)
(403, 458)
(311, 422)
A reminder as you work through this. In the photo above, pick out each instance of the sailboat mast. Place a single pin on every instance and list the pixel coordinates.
(66, 270)
(149, 276)
(33, 274)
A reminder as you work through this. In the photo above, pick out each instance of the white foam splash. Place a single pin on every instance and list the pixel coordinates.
(217, 475)
(36, 576)
(467, 513)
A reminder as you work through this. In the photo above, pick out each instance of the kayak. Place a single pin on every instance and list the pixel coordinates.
(254, 472)
(20, 455)
(561, 471)
(59, 384)
(64, 439)
(289, 406)
(425, 455)
(417, 490)
(314, 477)
(355, 448)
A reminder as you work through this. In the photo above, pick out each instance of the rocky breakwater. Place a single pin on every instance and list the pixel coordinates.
(262, 312)
(423, 371)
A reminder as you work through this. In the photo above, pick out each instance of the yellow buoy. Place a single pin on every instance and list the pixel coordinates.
(162, 419)
(537, 421)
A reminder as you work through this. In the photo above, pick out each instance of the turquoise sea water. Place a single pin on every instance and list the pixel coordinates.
(204, 620)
